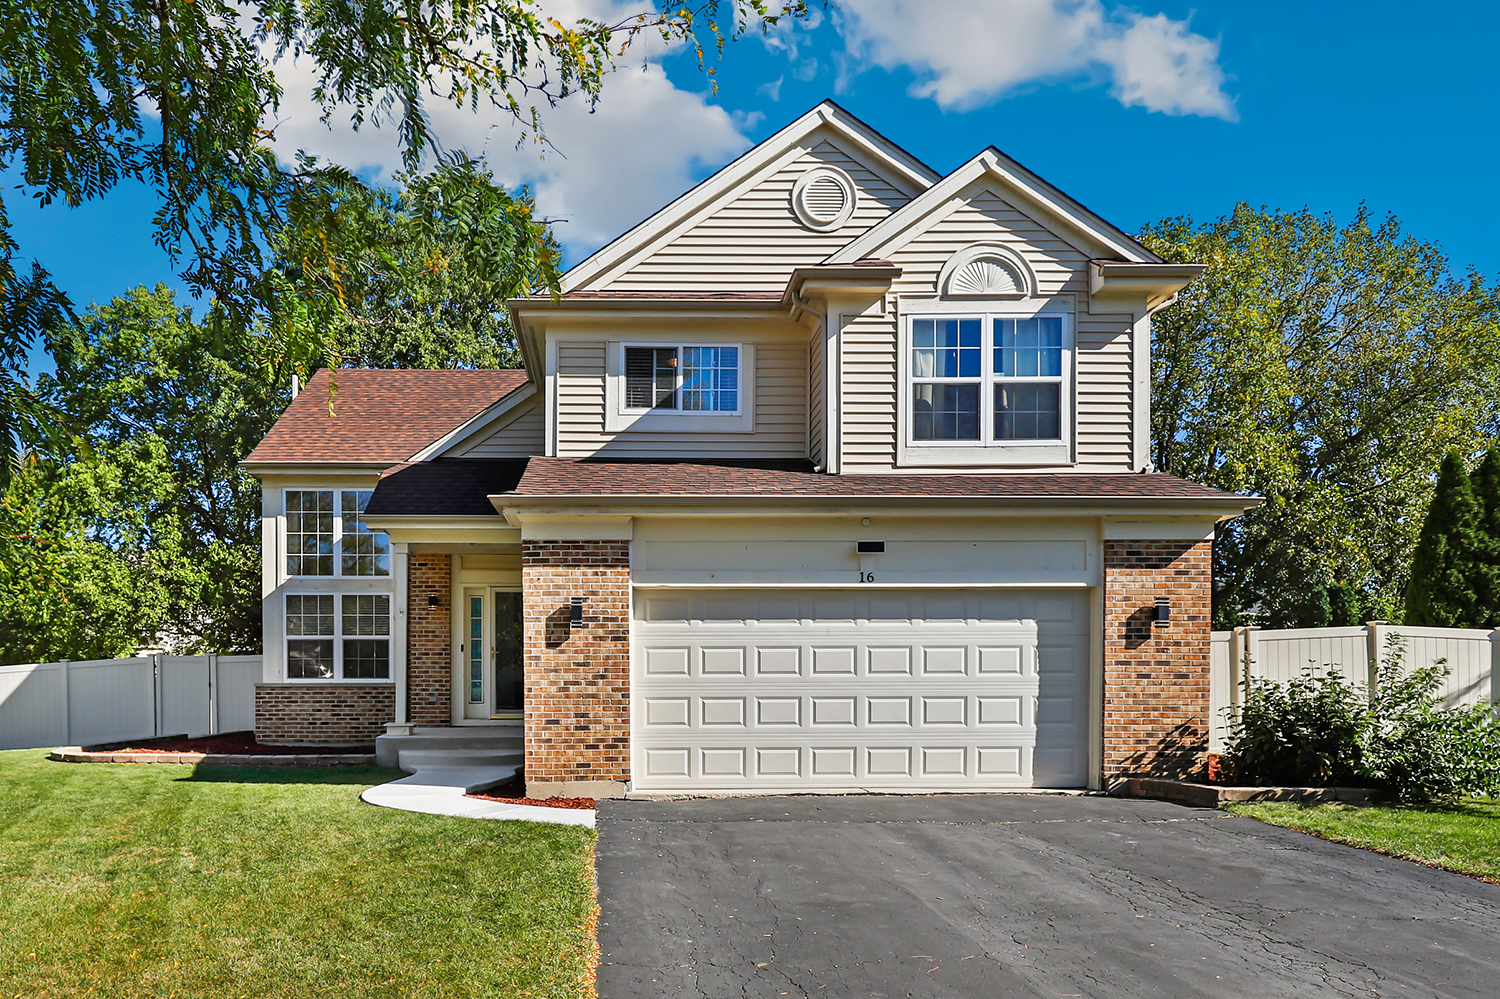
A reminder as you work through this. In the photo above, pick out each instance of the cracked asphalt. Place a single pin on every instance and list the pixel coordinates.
(1018, 895)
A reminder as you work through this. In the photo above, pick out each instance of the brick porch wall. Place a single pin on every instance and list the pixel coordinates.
(429, 640)
(322, 714)
(578, 677)
(1156, 706)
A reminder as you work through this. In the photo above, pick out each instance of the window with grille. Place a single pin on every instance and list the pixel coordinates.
(352, 644)
(988, 380)
(324, 538)
(683, 379)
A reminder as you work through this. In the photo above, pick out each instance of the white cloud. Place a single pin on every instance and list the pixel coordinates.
(772, 90)
(967, 54)
(646, 142)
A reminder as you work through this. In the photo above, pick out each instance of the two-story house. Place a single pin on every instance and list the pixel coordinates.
(832, 475)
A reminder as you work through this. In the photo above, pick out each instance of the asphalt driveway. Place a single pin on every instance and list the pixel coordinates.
(1018, 895)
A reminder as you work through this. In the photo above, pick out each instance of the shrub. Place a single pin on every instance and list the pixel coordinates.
(1306, 732)
(1319, 731)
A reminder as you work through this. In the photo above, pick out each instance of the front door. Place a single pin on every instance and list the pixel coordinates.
(492, 654)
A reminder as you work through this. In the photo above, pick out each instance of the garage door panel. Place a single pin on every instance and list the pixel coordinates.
(856, 701)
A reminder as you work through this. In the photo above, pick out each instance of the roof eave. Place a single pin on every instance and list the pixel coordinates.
(1218, 507)
(303, 467)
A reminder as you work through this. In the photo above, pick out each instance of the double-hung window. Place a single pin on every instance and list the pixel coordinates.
(326, 535)
(988, 380)
(682, 379)
(338, 636)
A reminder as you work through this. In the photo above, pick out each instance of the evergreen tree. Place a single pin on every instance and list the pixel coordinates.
(1486, 482)
(1444, 574)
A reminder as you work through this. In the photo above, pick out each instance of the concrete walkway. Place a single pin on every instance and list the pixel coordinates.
(443, 790)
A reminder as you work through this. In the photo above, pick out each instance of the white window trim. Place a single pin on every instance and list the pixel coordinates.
(338, 533)
(985, 451)
(618, 418)
(337, 637)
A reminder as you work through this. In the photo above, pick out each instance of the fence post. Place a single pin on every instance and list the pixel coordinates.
(67, 702)
(1495, 666)
(213, 692)
(1375, 636)
(156, 696)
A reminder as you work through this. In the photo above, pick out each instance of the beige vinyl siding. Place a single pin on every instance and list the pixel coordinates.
(780, 410)
(1103, 342)
(869, 410)
(816, 396)
(754, 242)
(520, 436)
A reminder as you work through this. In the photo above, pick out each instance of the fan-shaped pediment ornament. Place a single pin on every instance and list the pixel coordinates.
(989, 271)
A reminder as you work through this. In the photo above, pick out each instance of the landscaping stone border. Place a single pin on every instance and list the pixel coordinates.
(1213, 795)
(77, 754)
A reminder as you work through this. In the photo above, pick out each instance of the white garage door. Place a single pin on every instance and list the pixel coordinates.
(776, 690)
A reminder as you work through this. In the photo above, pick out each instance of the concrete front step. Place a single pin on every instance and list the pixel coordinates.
(412, 760)
(470, 746)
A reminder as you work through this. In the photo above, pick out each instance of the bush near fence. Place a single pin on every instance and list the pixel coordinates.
(1472, 656)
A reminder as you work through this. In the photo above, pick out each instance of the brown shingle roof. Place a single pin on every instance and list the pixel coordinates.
(379, 415)
(588, 477)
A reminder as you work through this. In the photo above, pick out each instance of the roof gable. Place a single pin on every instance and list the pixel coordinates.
(886, 176)
(1019, 187)
(379, 416)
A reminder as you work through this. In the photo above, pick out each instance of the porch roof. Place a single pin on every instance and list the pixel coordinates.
(445, 487)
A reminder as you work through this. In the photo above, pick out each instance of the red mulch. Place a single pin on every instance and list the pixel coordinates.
(1215, 769)
(232, 744)
(514, 793)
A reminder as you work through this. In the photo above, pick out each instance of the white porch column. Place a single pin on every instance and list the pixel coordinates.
(398, 626)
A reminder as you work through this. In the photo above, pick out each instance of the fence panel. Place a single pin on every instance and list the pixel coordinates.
(1468, 654)
(1220, 677)
(33, 705)
(235, 692)
(1286, 654)
(183, 696)
(120, 700)
(110, 700)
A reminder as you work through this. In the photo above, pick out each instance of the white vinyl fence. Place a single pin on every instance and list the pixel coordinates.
(1357, 654)
(113, 700)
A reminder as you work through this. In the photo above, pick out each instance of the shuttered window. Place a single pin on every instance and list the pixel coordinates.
(651, 377)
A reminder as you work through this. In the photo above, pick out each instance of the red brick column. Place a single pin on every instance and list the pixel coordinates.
(577, 676)
(1156, 706)
(322, 714)
(429, 640)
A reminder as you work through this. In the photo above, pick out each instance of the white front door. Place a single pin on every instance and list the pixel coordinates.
(491, 654)
(780, 690)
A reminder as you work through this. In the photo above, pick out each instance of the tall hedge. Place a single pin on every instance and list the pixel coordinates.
(1446, 573)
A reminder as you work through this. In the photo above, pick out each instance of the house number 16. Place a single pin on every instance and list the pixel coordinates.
(866, 577)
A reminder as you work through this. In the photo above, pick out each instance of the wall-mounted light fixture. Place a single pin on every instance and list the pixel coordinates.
(575, 611)
(870, 547)
(432, 600)
(1163, 611)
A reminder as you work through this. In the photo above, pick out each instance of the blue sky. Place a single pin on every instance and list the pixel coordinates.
(1140, 112)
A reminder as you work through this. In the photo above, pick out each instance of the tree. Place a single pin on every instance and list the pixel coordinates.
(82, 575)
(140, 374)
(1444, 574)
(182, 95)
(1327, 369)
(1486, 482)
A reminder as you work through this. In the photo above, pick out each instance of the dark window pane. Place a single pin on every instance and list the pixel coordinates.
(309, 532)
(945, 412)
(1028, 412)
(957, 349)
(367, 659)
(651, 377)
(1028, 348)
(309, 660)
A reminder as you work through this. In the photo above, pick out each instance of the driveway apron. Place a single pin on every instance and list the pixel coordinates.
(1018, 895)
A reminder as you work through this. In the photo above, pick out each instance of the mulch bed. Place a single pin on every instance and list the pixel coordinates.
(514, 793)
(230, 744)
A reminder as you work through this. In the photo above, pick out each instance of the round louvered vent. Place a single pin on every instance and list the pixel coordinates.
(985, 276)
(823, 198)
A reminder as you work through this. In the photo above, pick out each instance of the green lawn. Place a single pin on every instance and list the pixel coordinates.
(1464, 837)
(154, 881)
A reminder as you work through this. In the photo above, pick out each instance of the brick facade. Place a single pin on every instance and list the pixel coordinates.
(429, 640)
(1156, 701)
(322, 714)
(577, 676)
